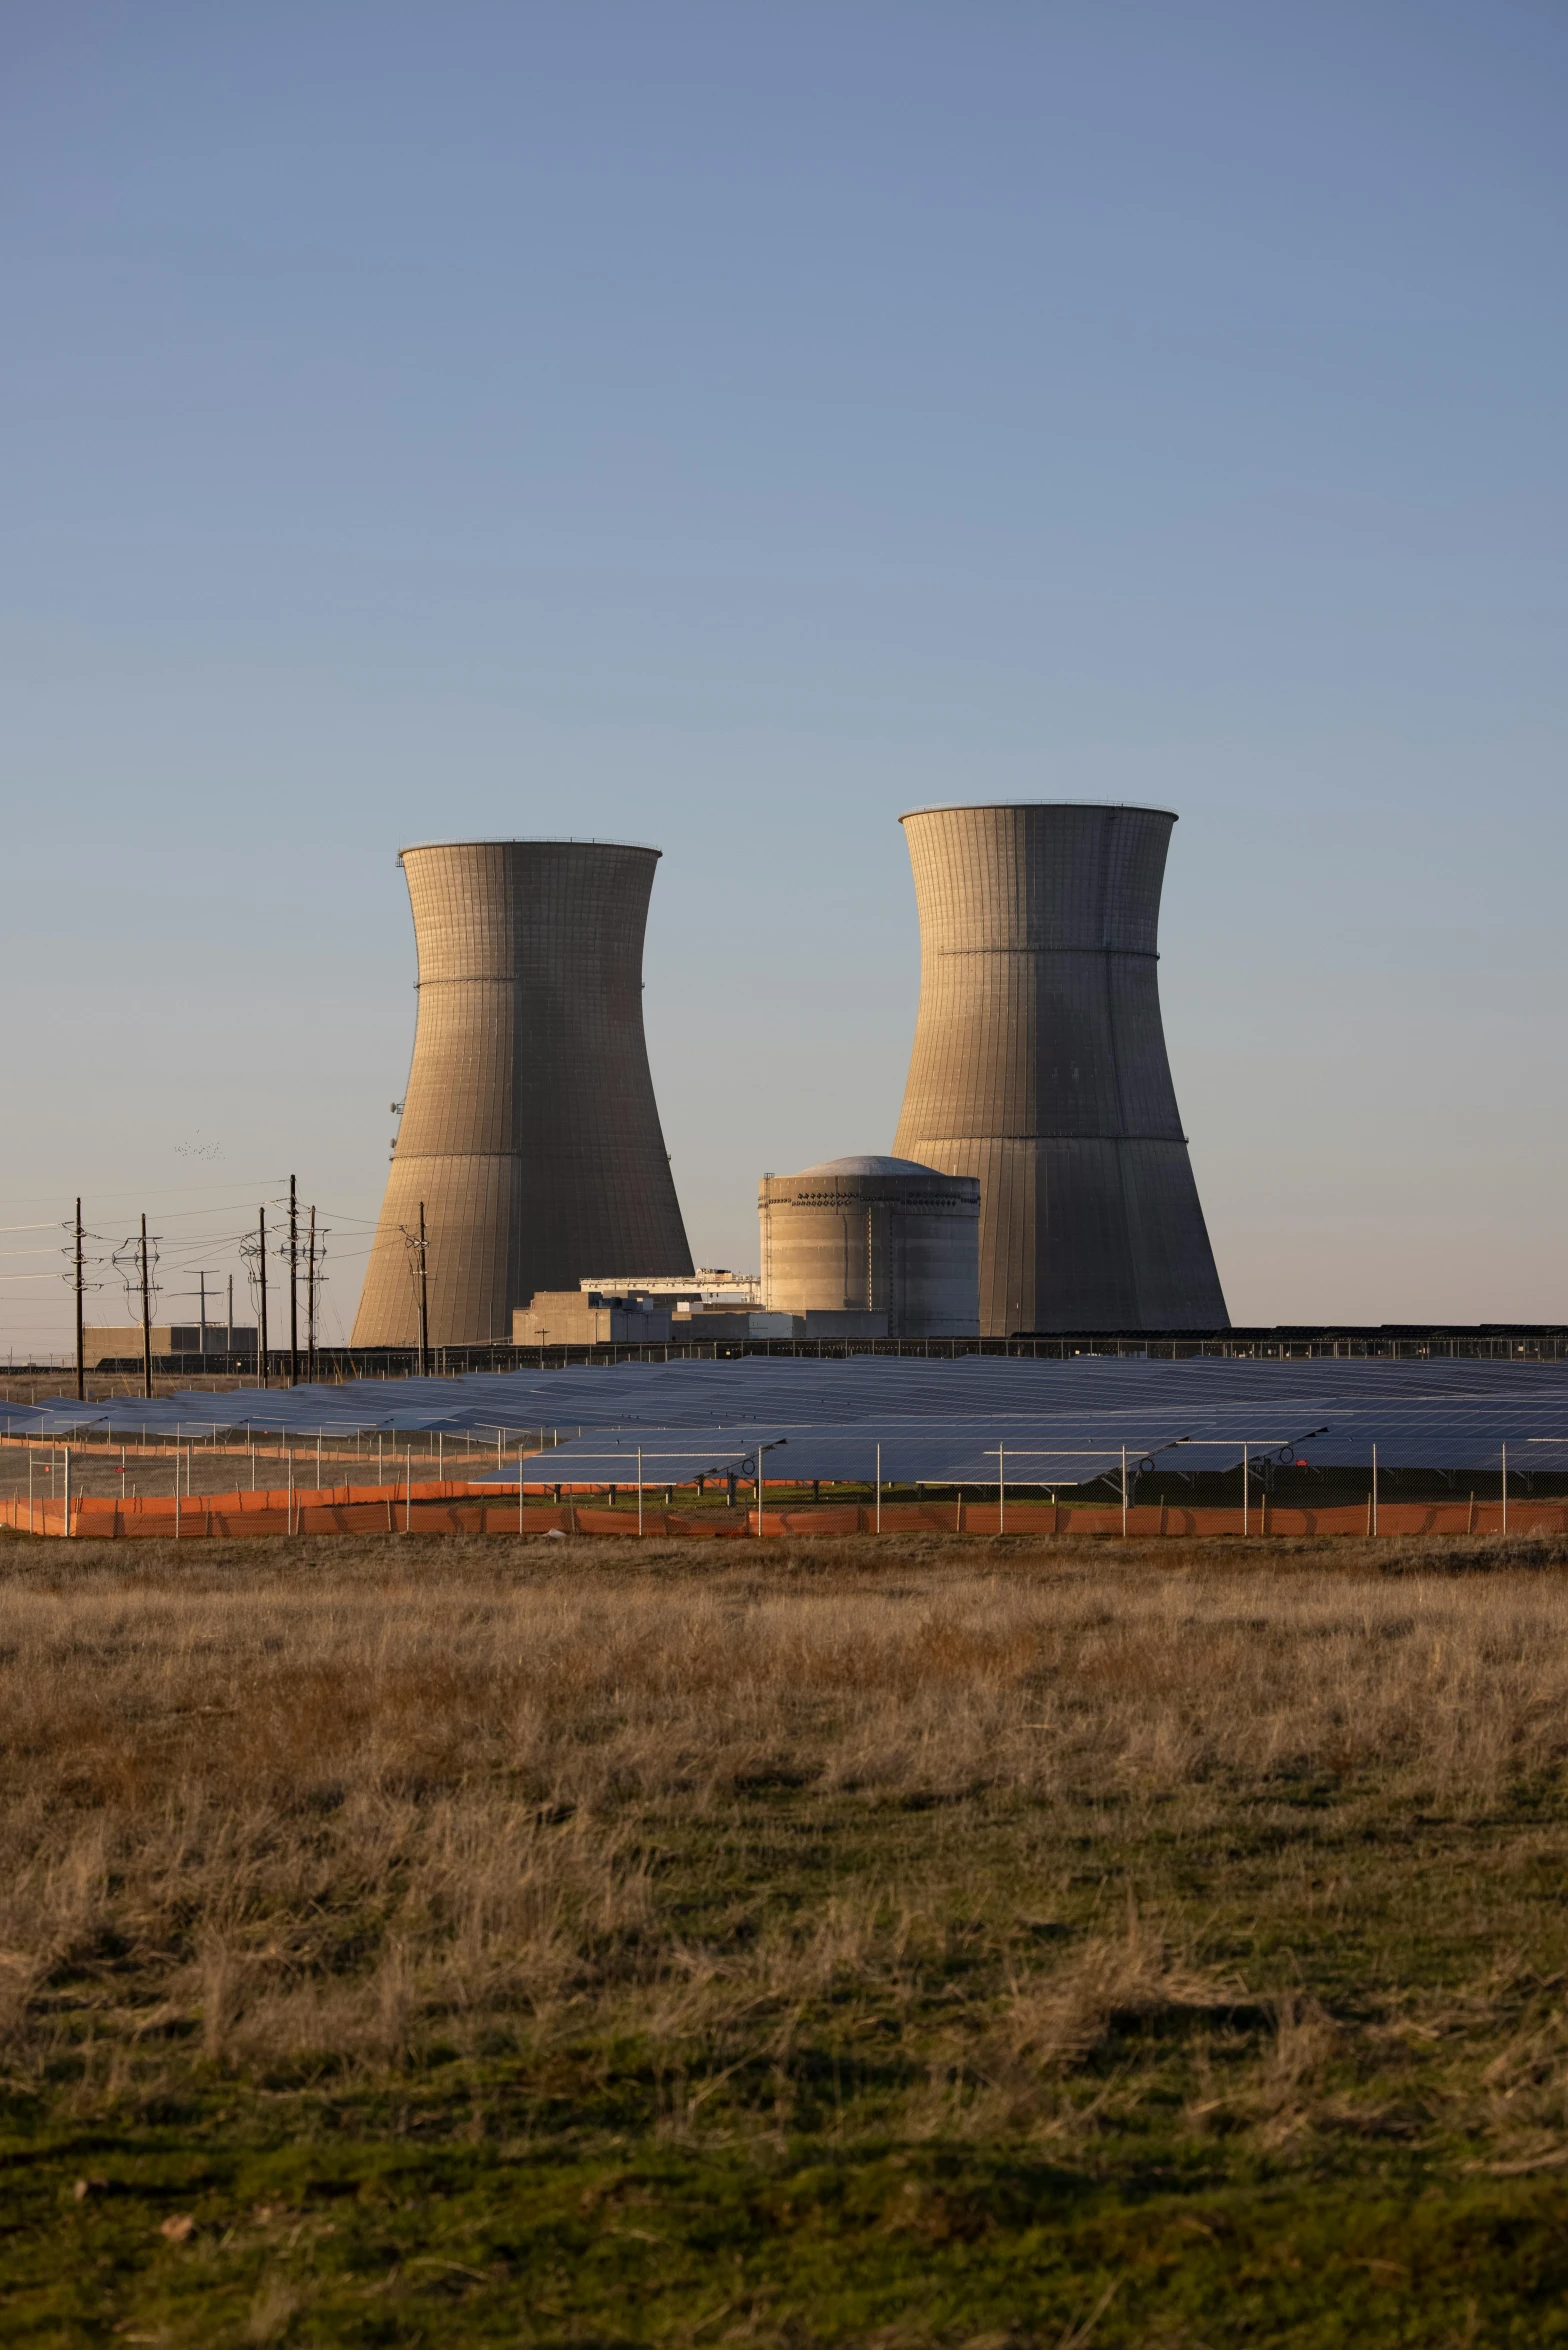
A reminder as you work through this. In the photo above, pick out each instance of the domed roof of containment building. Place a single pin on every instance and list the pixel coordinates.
(870, 1167)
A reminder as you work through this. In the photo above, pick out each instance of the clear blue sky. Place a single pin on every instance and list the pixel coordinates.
(727, 426)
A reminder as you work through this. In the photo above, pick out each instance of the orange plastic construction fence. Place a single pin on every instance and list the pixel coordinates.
(454, 1507)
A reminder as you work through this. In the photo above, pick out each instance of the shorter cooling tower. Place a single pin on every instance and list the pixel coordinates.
(877, 1235)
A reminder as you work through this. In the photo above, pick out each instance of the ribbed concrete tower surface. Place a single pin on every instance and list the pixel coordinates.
(529, 1126)
(1039, 1065)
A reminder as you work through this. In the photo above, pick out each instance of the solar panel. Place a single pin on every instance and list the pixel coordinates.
(938, 1421)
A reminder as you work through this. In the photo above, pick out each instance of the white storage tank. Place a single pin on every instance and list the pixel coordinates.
(874, 1235)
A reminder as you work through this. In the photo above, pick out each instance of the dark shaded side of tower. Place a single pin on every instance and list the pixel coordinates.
(1039, 1065)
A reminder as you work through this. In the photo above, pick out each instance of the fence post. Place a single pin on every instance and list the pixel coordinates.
(1001, 1488)
(1124, 1493)
(879, 1488)
(1505, 1485)
(1246, 1488)
(1374, 1489)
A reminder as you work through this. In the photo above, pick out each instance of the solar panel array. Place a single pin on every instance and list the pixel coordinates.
(937, 1421)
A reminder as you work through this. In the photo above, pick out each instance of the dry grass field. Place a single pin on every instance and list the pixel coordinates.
(909, 1943)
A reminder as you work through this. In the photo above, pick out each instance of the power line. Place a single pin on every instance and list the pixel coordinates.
(251, 1184)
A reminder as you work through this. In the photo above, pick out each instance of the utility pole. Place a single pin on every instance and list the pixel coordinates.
(228, 1328)
(293, 1284)
(261, 1260)
(146, 1319)
(424, 1299)
(310, 1305)
(81, 1343)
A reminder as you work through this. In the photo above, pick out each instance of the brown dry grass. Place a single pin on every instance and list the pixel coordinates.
(1005, 1837)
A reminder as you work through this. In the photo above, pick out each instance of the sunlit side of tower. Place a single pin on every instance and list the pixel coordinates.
(1039, 1065)
(529, 1126)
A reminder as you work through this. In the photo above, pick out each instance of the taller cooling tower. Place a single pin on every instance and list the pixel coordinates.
(529, 1128)
(1039, 1065)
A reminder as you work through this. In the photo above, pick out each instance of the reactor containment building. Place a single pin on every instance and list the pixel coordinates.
(1039, 1066)
(529, 1129)
(874, 1236)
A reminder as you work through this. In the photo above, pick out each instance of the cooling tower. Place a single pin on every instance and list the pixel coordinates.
(529, 1126)
(1039, 1065)
(874, 1235)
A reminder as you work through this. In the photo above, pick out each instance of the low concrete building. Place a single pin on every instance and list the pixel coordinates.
(710, 1285)
(124, 1344)
(703, 1323)
(589, 1317)
(571, 1317)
